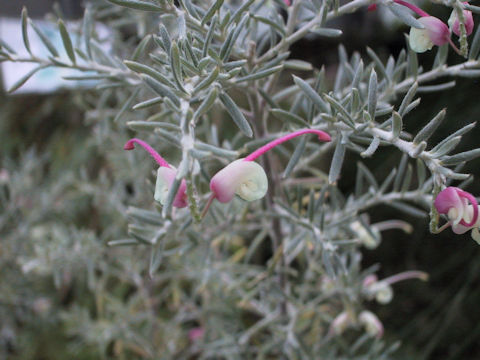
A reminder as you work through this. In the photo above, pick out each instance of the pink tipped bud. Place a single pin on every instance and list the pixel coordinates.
(287, 2)
(372, 7)
(196, 333)
(455, 24)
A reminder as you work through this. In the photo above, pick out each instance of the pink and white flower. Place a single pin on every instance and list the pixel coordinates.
(165, 176)
(246, 178)
(462, 216)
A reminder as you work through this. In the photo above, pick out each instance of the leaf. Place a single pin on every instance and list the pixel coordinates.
(165, 38)
(137, 5)
(400, 172)
(260, 74)
(140, 49)
(127, 105)
(208, 38)
(288, 117)
(475, 46)
(26, 40)
(46, 41)
(429, 129)
(311, 94)
(206, 103)
(337, 161)
(207, 81)
(213, 9)
(161, 89)
(404, 15)
(144, 69)
(232, 38)
(25, 78)
(407, 99)
(236, 114)
(371, 148)
(148, 103)
(397, 125)
(297, 154)
(176, 66)
(461, 157)
(372, 94)
(67, 42)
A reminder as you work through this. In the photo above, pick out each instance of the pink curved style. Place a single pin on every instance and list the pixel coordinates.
(130, 145)
(412, 7)
(322, 136)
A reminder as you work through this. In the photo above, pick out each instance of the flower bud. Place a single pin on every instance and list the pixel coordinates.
(454, 24)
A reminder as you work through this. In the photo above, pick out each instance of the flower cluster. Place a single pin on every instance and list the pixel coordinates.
(434, 31)
(243, 177)
(462, 216)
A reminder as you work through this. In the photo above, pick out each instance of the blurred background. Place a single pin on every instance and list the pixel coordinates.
(53, 156)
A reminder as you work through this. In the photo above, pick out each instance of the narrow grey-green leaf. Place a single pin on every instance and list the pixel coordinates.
(461, 157)
(123, 242)
(212, 11)
(216, 150)
(327, 32)
(337, 161)
(127, 105)
(378, 62)
(87, 31)
(238, 13)
(46, 41)
(459, 132)
(232, 38)
(441, 56)
(438, 87)
(446, 147)
(67, 42)
(299, 149)
(372, 94)
(407, 179)
(161, 89)
(475, 46)
(26, 40)
(412, 61)
(404, 15)
(407, 99)
(298, 65)
(167, 207)
(236, 114)
(429, 129)
(140, 49)
(137, 5)
(208, 38)
(397, 125)
(25, 78)
(156, 256)
(148, 103)
(207, 81)
(400, 172)
(288, 117)
(260, 74)
(279, 27)
(165, 38)
(346, 116)
(206, 103)
(421, 173)
(371, 148)
(408, 209)
(144, 69)
(176, 65)
(311, 94)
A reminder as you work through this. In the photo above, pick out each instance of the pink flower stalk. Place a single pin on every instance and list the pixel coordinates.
(165, 176)
(435, 31)
(455, 24)
(245, 177)
(453, 202)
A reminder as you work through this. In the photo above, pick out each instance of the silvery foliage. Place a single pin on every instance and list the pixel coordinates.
(204, 78)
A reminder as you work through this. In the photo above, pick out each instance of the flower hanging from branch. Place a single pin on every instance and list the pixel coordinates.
(246, 178)
(165, 176)
(462, 216)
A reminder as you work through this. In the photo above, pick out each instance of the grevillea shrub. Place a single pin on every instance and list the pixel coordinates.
(239, 240)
